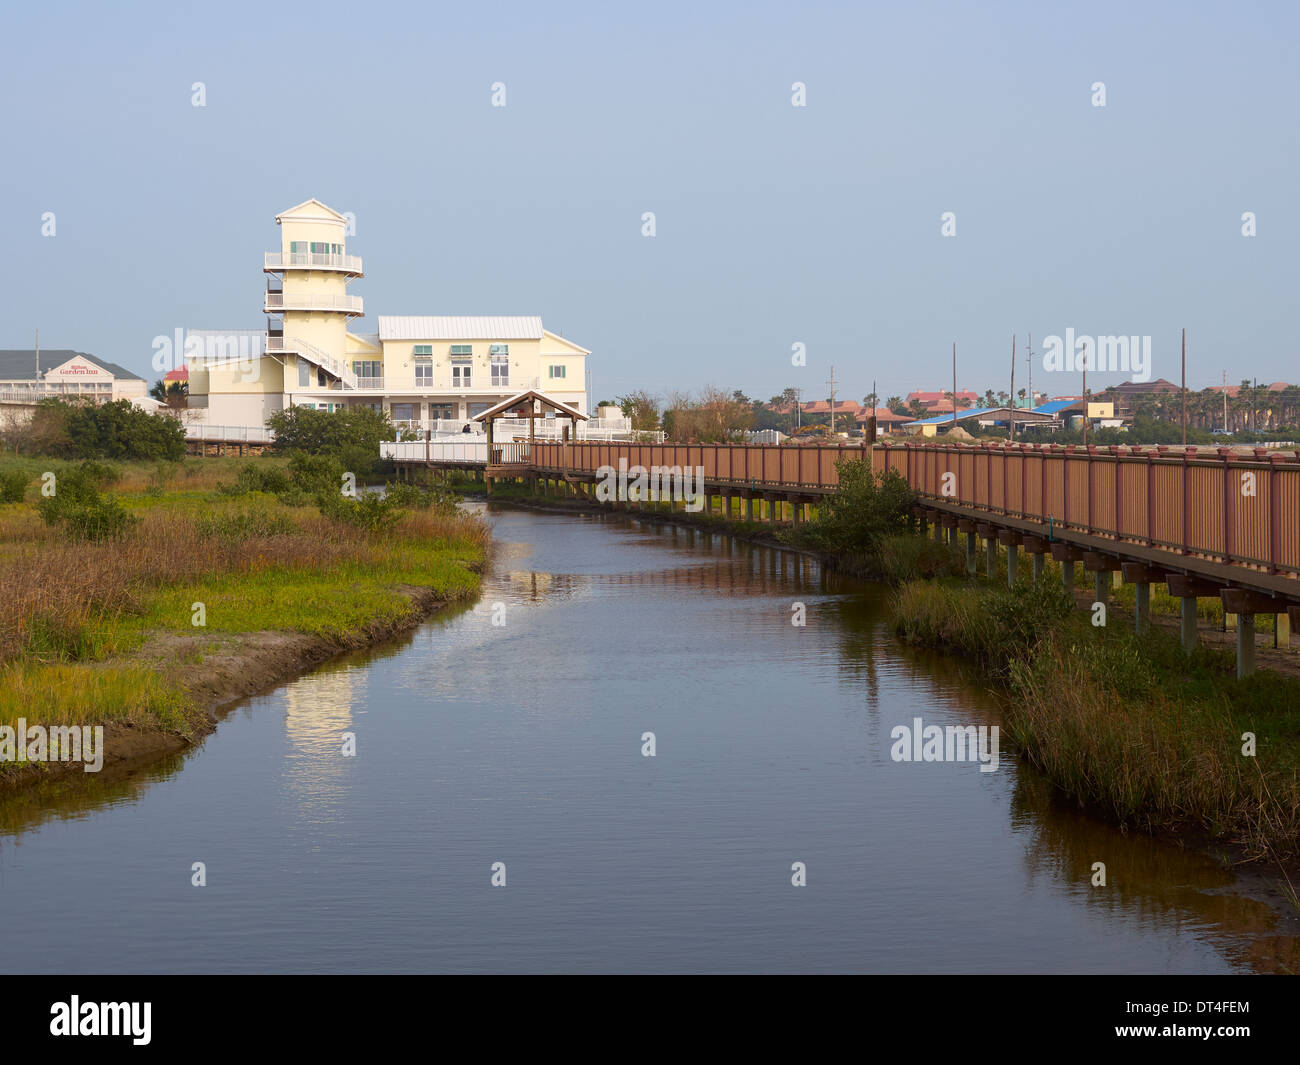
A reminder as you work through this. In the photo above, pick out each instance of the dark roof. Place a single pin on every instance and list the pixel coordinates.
(16, 365)
(1128, 388)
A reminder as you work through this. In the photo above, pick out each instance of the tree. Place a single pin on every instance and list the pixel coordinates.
(895, 405)
(175, 395)
(352, 435)
(642, 409)
(116, 430)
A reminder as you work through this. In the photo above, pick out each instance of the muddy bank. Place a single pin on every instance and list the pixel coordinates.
(243, 664)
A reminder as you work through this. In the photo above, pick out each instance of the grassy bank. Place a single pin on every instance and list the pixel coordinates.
(1129, 725)
(204, 557)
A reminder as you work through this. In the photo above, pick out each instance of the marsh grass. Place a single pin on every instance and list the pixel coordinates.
(255, 563)
(1129, 725)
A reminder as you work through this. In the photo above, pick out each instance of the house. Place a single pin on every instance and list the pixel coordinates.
(66, 374)
(934, 401)
(982, 416)
(419, 368)
(886, 419)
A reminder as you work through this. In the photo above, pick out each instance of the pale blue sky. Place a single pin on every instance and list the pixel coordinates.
(776, 224)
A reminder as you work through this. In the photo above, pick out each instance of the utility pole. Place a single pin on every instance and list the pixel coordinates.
(954, 384)
(798, 409)
(1011, 436)
(1029, 358)
(1225, 401)
(831, 382)
(1254, 401)
(1085, 395)
(1184, 387)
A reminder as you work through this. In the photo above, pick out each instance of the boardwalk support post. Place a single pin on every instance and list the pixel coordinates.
(1011, 540)
(1189, 589)
(1246, 604)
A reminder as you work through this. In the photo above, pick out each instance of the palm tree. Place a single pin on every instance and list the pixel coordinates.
(895, 404)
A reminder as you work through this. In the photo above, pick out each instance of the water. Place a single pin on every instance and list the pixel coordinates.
(522, 744)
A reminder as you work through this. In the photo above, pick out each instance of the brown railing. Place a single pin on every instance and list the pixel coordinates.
(740, 464)
(1231, 508)
(1228, 507)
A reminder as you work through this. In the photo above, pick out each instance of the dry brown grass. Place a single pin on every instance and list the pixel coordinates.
(65, 595)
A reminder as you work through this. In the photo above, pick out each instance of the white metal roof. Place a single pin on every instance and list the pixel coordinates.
(460, 327)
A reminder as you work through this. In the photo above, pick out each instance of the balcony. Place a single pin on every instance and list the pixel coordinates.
(277, 302)
(370, 382)
(277, 262)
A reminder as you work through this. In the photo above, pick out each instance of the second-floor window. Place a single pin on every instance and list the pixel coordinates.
(499, 357)
(368, 369)
(424, 373)
(556, 372)
(304, 373)
(461, 370)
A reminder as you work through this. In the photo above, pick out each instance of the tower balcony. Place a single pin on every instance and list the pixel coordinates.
(277, 302)
(277, 262)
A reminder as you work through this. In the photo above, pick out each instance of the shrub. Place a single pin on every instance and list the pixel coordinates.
(316, 474)
(116, 430)
(405, 494)
(864, 508)
(370, 511)
(78, 507)
(352, 435)
(244, 525)
(13, 486)
(254, 478)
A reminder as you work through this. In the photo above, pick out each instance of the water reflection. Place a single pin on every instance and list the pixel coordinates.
(502, 726)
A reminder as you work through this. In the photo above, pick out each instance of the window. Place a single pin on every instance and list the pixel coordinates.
(403, 412)
(323, 248)
(422, 350)
(304, 373)
(499, 356)
(445, 411)
(478, 408)
(556, 372)
(368, 369)
(424, 375)
(461, 373)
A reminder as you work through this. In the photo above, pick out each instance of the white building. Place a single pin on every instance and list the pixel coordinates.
(421, 369)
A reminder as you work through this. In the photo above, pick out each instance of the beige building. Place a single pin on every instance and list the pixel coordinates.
(435, 371)
(66, 374)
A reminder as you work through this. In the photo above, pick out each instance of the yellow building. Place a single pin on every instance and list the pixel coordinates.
(422, 369)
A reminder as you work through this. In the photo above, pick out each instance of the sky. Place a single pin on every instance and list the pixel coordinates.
(775, 225)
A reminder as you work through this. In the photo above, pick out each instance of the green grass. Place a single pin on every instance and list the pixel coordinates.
(75, 613)
(1127, 724)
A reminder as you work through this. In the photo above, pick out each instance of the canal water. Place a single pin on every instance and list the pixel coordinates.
(512, 732)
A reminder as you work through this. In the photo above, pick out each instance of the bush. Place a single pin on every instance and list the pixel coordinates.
(405, 494)
(13, 486)
(244, 525)
(254, 478)
(78, 507)
(370, 511)
(116, 430)
(352, 435)
(316, 474)
(864, 508)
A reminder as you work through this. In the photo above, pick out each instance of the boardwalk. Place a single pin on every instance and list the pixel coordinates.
(1205, 522)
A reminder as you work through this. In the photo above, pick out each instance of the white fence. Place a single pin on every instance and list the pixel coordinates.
(508, 430)
(232, 434)
(435, 451)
